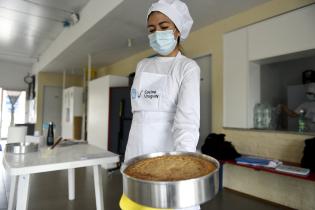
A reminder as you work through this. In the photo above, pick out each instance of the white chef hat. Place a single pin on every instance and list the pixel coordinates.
(177, 11)
(311, 88)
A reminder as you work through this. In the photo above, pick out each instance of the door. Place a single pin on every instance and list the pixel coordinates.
(204, 63)
(52, 107)
(120, 117)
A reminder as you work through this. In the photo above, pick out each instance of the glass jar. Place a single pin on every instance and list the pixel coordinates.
(267, 116)
(262, 116)
(258, 116)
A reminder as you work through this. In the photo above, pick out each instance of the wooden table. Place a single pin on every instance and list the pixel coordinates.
(21, 166)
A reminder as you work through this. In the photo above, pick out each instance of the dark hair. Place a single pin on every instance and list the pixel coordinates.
(179, 46)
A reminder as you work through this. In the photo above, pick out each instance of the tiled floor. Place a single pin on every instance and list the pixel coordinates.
(48, 191)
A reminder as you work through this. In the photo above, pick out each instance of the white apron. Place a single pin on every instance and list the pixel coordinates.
(153, 115)
(151, 129)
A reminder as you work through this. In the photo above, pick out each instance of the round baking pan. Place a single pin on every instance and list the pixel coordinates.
(171, 194)
(21, 148)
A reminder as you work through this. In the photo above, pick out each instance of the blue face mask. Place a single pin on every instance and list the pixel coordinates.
(163, 42)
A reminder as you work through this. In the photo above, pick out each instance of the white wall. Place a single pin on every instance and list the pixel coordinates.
(12, 75)
(204, 63)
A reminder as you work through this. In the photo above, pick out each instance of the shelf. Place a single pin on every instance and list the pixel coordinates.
(310, 177)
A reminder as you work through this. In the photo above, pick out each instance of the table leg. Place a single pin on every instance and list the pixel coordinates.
(98, 187)
(71, 183)
(22, 192)
(221, 177)
(11, 204)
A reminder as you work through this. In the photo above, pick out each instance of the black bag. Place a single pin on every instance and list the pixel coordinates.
(308, 159)
(216, 146)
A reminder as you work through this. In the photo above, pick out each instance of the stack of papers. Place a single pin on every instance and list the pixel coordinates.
(257, 161)
(293, 170)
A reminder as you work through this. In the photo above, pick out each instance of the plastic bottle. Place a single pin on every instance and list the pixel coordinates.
(258, 116)
(267, 116)
(50, 134)
(301, 122)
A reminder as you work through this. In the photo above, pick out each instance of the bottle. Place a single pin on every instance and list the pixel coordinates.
(50, 134)
(301, 121)
(267, 116)
(258, 116)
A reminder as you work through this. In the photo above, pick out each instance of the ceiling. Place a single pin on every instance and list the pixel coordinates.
(107, 40)
(28, 27)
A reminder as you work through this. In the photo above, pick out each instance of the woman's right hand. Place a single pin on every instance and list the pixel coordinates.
(284, 108)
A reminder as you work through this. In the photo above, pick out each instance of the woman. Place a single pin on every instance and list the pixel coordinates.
(307, 108)
(165, 95)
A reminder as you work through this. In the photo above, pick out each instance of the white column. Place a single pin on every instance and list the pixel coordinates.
(98, 187)
(22, 193)
(89, 67)
(11, 204)
(89, 70)
(64, 77)
(83, 126)
(71, 183)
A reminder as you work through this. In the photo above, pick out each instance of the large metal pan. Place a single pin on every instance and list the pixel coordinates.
(21, 147)
(171, 194)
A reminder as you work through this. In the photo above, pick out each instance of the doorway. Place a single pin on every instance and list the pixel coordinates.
(204, 63)
(52, 107)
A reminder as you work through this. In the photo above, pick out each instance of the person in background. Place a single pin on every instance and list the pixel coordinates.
(165, 95)
(307, 108)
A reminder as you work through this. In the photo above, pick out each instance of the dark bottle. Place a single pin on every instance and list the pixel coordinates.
(50, 134)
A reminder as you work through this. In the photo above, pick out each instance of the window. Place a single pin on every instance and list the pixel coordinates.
(283, 83)
(12, 109)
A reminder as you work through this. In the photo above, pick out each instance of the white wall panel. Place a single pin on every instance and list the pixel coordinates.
(235, 74)
(98, 108)
(288, 33)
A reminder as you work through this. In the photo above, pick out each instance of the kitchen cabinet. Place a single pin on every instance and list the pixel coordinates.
(235, 78)
(98, 108)
(289, 33)
(241, 81)
(72, 109)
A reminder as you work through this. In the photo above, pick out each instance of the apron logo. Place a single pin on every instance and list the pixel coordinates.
(151, 94)
(134, 93)
(148, 94)
(139, 95)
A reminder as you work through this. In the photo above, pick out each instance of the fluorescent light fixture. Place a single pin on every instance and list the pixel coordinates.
(5, 29)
